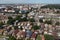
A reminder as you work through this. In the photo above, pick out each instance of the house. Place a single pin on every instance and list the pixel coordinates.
(1, 31)
(21, 34)
(5, 33)
(10, 33)
(3, 18)
(15, 32)
(33, 37)
(28, 33)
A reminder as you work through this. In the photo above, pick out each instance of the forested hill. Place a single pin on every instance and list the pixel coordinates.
(57, 6)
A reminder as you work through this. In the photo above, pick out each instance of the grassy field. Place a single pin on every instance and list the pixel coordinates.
(38, 37)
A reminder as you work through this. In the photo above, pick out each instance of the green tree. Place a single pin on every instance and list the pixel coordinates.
(48, 22)
(51, 6)
(10, 21)
(41, 20)
(57, 23)
(1, 24)
(24, 19)
(49, 37)
(11, 38)
(21, 28)
(18, 17)
(38, 37)
(31, 20)
(10, 17)
(15, 27)
(21, 19)
(35, 27)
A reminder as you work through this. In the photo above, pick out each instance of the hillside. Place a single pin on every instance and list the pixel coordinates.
(57, 6)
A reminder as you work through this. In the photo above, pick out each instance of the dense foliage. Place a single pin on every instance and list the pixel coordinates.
(11, 38)
(57, 6)
(35, 27)
(49, 37)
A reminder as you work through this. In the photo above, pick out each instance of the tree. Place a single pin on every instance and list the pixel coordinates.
(11, 38)
(41, 20)
(21, 28)
(1, 24)
(51, 6)
(31, 20)
(57, 23)
(17, 10)
(10, 21)
(24, 19)
(21, 19)
(35, 27)
(18, 17)
(38, 37)
(48, 22)
(15, 27)
(10, 17)
(49, 37)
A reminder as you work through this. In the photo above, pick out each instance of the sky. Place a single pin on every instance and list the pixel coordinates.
(29, 1)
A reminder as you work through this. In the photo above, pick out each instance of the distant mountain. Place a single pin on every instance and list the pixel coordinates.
(57, 6)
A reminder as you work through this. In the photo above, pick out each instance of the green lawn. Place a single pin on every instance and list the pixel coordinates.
(38, 37)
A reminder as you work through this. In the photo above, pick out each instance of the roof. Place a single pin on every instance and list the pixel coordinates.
(33, 35)
(21, 33)
(1, 30)
(2, 17)
(28, 33)
(16, 31)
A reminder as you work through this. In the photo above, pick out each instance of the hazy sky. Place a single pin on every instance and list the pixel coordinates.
(30, 1)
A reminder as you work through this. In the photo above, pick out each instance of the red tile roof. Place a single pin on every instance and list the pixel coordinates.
(16, 31)
(21, 33)
(33, 35)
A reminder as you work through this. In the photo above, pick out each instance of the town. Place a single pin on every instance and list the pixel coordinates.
(29, 22)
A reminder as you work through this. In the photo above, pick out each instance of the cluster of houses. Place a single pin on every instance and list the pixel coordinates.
(23, 30)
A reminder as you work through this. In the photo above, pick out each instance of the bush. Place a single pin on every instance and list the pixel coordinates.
(49, 37)
(31, 20)
(35, 27)
(57, 23)
(11, 38)
(48, 22)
